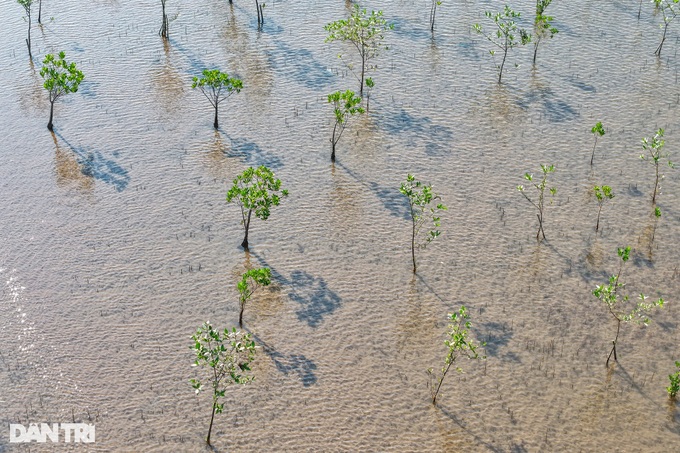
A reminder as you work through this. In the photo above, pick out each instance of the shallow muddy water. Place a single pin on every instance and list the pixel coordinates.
(116, 241)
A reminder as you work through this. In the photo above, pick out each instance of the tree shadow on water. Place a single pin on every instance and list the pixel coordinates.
(496, 335)
(315, 298)
(419, 130)
(97, 166)
(299, 64)
(252, 154)
(295, 364)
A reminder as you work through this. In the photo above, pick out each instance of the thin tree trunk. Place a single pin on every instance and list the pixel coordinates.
(639, 9)
(597, 227)
(500, 73)
(613, 351)
(216, 123)
(592, 156)
(164, 26)
(212, 417)
(656, 183)
(535, 51)
(240, 315)
(663, 38)
(333, 142)
(28, 41)
(413, 242)
(40, 12)
(363, 68)
(441, 381)
(49, 124)
(244, 244)
(433, 13)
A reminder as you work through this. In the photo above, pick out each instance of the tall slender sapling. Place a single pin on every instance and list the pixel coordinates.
(602, 195)
(543, 27)
(163, 32)
(539, 203)
(217, 86)
(459, 344)
(598, 131)
(505, 36)
(26, 5)
(656, 154)
(228, 356)
(256, 190)
(345, 105)
(424, 208)
(609, 294)
(669, 10)
(249, 283)
(433, 13)
(60, 78)
(366, 33)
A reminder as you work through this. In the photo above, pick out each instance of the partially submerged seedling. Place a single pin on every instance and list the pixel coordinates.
(249, 283)
(256, 190)
(609, 294)
(61, 78)
(505, 36)
(459, 344)
(217, 86)
(433, 13)
(669, 10)
(543, 27)
(598, 131)
(369, 87)
(674, 388)
(260, 13)
(366, 33)
(228, 354)
(656, 155)
(26, 5)
(539, 203)
(602, 195)
(422, 208)
(345, 105)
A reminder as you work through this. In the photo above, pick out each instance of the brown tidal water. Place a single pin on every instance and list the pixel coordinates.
(116, 241)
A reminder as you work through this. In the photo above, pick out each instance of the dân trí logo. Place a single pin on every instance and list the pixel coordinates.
(55, 432)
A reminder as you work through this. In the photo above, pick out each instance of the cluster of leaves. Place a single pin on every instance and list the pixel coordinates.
(543, 27)
(655, 154)
(602, 195)
(228, 355)
(249, 283)
(674, 378)
(598, 131)
(217, 86)
(506, 34)
(458, 343)
(345, 105)
(256, 190)
(61, 77)
(423, 208)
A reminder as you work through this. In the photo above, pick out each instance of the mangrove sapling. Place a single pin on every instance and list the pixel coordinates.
(228, 354)
(369, 87)
(433, 13)
(60, 77)
(598, 131)
(345, 106)
(458, 344)
(26, 5)
(365, 32)
(260, 13)
(602, 195)
(655, 155)
(163, 32)
(539, 203)
(609, 294)
(249, 283)
(674, 388)
(217, 86)
(422, 207)
(505, 37)
(669, 10)
(256, 190)
(543, 27)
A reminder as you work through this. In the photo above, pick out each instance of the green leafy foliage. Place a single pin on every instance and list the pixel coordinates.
(656, 155)
(217, 86)
(61, 77)
(458, 343)
(228, 355)
(366, 32)
(669, 10)
(256, 190)
(424, 208)
(674, 379)
(619, 306)
(506, 36)
(249, 283)
(345, 105)
(598, 131)
(539, 202)
(543, 27)
(602, 195)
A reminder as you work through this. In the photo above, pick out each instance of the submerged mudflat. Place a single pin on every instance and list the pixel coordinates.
(116, 242)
